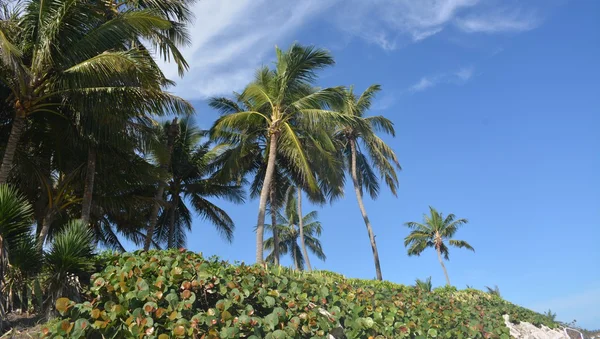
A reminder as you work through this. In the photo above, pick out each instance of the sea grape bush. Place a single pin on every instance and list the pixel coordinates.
(180, 294)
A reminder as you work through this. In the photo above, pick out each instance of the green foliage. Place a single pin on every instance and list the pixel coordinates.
(177, 294)
(550, 315)
(69, 260)
(493, 291)
(16, 215)
(424, 285)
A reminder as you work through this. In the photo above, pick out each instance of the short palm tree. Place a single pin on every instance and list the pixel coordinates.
(434, 232)
(358, 144)
(284, 105)
(16, 215)
(493, 290)
(289, 235)
(193, 181)
(68, 261)
(424, 285)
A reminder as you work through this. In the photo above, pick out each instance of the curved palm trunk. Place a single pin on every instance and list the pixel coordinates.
(274, 225)
(48, 220)
(11, 147)
(174, 203)
(439, 254)
(301, 229)
(264, 194)
(158, 198)
(361, 206)
(88, 190)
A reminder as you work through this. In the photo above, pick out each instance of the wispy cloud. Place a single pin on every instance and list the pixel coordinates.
(459, 77)
(392, 23)
(388, 22)
(228, 43)
(513, 20)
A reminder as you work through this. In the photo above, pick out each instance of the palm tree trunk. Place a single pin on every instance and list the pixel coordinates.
(274, 224)
(11, 146)
(88, 189)
(264, 194)
(439, 254)
(361, 206)
(48, 220)
(158, 198)
(174, 203)
(295, 256)
(301, 229)
(24, 300)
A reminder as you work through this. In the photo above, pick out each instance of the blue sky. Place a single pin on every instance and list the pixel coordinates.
(496, 110)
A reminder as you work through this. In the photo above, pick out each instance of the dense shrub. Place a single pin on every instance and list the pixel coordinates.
(181, 294)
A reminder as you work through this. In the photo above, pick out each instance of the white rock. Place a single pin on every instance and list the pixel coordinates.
(526, 330)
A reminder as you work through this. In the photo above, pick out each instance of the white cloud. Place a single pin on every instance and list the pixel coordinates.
(498, 21)
(424, 84)
(386, 22)
(231, 38)
(465, 73)
(459, 77)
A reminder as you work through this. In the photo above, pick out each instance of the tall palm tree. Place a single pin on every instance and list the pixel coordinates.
(358, 144)
(54, 52)
(283, 102)
(163, 151)
(166, 43)
(193, 181)
(434, 232)
(289, 235)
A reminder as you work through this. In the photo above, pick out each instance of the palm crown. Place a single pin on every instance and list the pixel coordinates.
(435, 232)
(289, 234)
(193, 181)
(282, 104)
(352, 139)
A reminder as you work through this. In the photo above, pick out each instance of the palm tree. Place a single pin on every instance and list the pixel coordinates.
(44, 62)
(165, 150)
(434, 232)
(193, 181)
(68, 261)
(166, 42)
(284, 102)
(16, 215)
(493, 291)
(358, 143)
(289, 235)
(424, 285)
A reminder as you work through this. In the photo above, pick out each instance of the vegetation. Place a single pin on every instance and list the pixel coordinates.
(550, 315)
(353, 138)
(48, 275)
(493, 291)
(289, 233)
(434, 232)
(181, 294)
(96, 151)
(424, 285)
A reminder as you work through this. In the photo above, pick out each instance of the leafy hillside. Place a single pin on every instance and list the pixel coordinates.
(163, 294)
